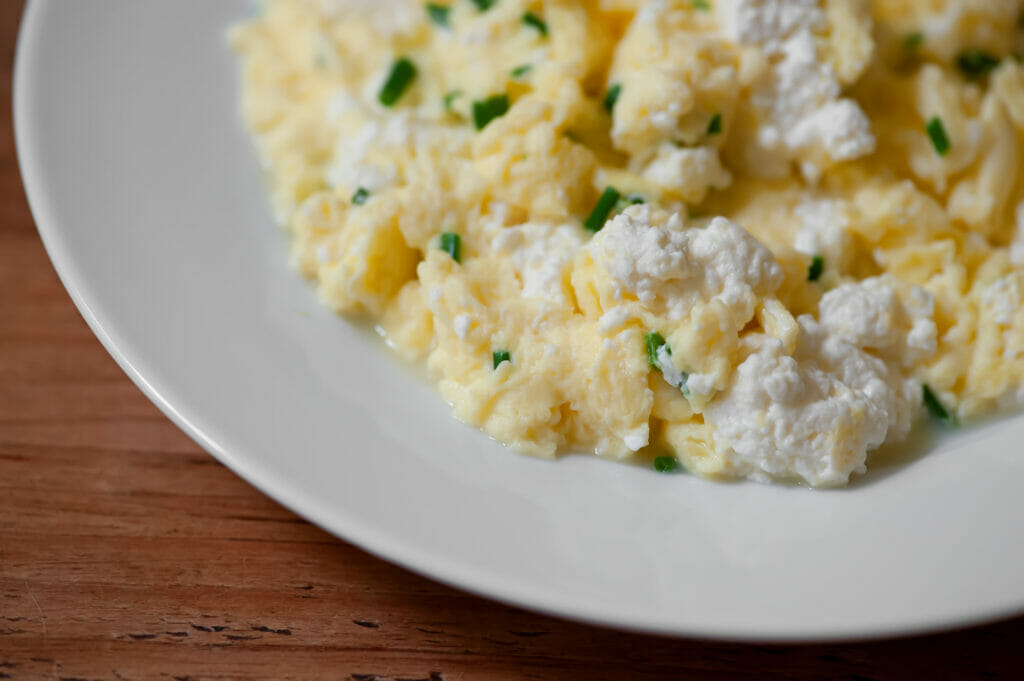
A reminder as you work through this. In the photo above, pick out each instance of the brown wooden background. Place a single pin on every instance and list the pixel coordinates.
(126, 552)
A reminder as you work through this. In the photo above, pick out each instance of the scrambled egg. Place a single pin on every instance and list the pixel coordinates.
(759, 238)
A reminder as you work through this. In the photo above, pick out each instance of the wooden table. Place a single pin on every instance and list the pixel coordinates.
(126, 552)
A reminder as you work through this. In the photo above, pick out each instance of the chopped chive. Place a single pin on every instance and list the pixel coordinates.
(612, 96)
(486, 110)
(937, 132)
(934, 406)
(499, 356)
(815, 269)
(655, 342)
(361, 195)
(665, 464)
(449, 98)
(484, 5)
(603, 208)
(913, 41)
(403, 72)
(715, 126)
(702, 5)
(571, 136)
(438, 13)
(520, 71)
(451, 244)
(531, 19)
(976, 63)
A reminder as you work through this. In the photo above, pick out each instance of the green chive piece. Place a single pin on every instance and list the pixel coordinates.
(665, 464)
(937, 132)
(534, 21)
(361, 195)
(451, 244)
(612, 96)
(403, 72)
(816, 268)
(499, 356)
(449, 98)
(486, 110)
(976, 63)
(715, 126)
(520, 71)
(934, 406)
(702, 5)
(602, 209)
(484, 5)
(655, 342)
(913, 41)
(439, 13)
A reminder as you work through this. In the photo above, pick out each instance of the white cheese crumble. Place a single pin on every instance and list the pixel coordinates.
(803, 115)
(673, 376)
(690, 172)
(824, 230)
(390, 18)
(462, 324)
(700, 386)
(637, 437)
(766, 22)
(360, 158)
(675, 268)
(614, 319)
(813, 415)
(870, 314)
(1003, 298)
(816, 413)
(540, 254)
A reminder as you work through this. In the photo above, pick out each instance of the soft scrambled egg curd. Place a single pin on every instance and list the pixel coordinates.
(757, 237)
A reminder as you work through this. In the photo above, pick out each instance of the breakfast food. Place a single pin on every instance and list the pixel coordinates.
(760, 238)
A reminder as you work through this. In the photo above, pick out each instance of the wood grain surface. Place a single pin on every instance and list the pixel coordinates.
(126, 552)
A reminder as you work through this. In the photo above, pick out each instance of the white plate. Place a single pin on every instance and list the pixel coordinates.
(150, 203)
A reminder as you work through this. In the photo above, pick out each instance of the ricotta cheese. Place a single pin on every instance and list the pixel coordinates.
(687, 172)
(824, 230)
(812, 416)
(804, 117)
(361, 157)
(389, 18)
(871, 315)
(673, 269)
(540, 253)
(1003, 299)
